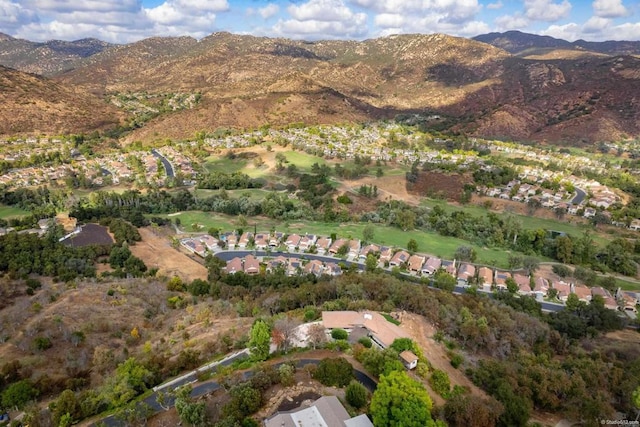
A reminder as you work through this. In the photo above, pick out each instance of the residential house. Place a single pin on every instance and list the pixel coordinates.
(540, 288)
(599, 290)
(354, 248)
(295, 267)
(466, 272)
(432, 265)
(399, 258)
(583, 292)
(210, 242)
(335, 246)
(232, 240)
(309, 240)
(332, 269)
(261, 241)
(386, 253)
(589, 212)
(381, 331)
(327, 411)
(409, 359)
(234, 266)
(244, 240)
(449, 266)
(415, 263)
(292, 242)
(635, 225)
(563, 290)
(485, 278)
(251, 265)
(314, 267)
(276, 263)
(275, 238)
(323, 244)
(500, 280)
(369, 249)
(524, 285)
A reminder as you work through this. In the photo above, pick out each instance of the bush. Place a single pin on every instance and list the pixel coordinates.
(366, 342)
(344, 199)
(334, 372)
(456, 360)
(339, 334)
(42, 343)
(440, 383)
(562, 270)
(356, 394)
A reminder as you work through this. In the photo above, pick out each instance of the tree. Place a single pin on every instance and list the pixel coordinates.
(400, 401)
(18, 394)
(286, 327)
(465, 254)
(334, 372)
(66, 404)
(368, 232)
(515, 261)
(444, 280)
(356, 394)
(317, 335)
(190, 412)
(339, 334)
(512, 286)
(440, 383)
(470, 410)
(259, 340)
(412, 245)
(371, 263)
(530, 264)
(406, 219)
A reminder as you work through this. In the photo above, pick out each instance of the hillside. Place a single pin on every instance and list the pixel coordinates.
(479, 89)
(518, 43)
(36, 105)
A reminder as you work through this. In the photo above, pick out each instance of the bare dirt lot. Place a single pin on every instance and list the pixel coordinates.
(156, 252)
(437, 184)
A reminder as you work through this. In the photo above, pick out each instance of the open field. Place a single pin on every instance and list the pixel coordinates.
(252, 193)
(8, 212)
(428, 243)
(156, 252)
(303, 160)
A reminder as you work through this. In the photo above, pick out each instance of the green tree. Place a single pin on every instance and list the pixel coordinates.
(412, 245)
(371, 263)
(399, 400)
(368, 232)
(440, 383)
(444, 280)
(356, 394)
(18, 394)
(465, 253)
(339, 334)
(190, 412)
(66, 404)
(530, 264)
(512, 286)
(259, 340)
(336, 372)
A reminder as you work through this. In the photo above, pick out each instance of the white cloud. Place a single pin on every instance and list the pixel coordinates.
(495, 6)
(269, 10)
(546, 10)
(322, 19)
(14, 16)
(595, 29)
(511, 22)
(596, 25)
(67, 6)
(609, 8)
(389, 20)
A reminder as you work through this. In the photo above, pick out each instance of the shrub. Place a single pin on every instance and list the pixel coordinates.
(562, 270)
(42, 343)
(456, 360)
(334, 372)
(339, 334)
(344, 199)
(356, 394)
(366, 342)
(440, 383)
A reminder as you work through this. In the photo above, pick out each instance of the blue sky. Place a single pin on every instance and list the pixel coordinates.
(123, 21)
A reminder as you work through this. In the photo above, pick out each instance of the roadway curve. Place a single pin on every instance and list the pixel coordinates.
(579, 197)
(168, 167)
(209, 387)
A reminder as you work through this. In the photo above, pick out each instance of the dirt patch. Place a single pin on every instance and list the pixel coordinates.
(439, 185)
(292, 403)
(624, 335)
(156, 252)
(422, 332)
(91, 234)
(389, 188)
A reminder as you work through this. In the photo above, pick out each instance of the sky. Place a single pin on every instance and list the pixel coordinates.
(125, 21)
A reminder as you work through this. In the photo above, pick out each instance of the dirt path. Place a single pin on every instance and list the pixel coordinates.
(422, 332)
(156, 252)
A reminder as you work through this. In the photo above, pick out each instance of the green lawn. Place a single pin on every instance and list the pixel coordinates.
(303, 160)
(8, 212)
(628, 285)
(224, 164)
(428, 243)
(252, 193)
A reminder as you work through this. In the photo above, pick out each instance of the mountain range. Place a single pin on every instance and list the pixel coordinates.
(510, 85)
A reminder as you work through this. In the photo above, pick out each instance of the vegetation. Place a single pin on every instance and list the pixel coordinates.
(335, 372)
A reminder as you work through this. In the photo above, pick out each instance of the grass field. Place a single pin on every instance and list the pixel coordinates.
(628, 285)
(8, 212)
(223, 164)
(428, 243)
(302, 160)
(252, 193)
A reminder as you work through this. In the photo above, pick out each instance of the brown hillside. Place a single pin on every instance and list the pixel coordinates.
(36, 105)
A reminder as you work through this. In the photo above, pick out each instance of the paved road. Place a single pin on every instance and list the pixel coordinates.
(212, 386)
(228, 255)
(579, 197)
(168, 167)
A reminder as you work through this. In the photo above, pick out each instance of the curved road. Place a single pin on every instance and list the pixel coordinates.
(212, 386)
(579, 197)
(168, 167)
(228, 255)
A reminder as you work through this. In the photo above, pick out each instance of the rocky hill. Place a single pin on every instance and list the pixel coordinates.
(47, 58)
(480, 89)
(520, 43)
(35, 105)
